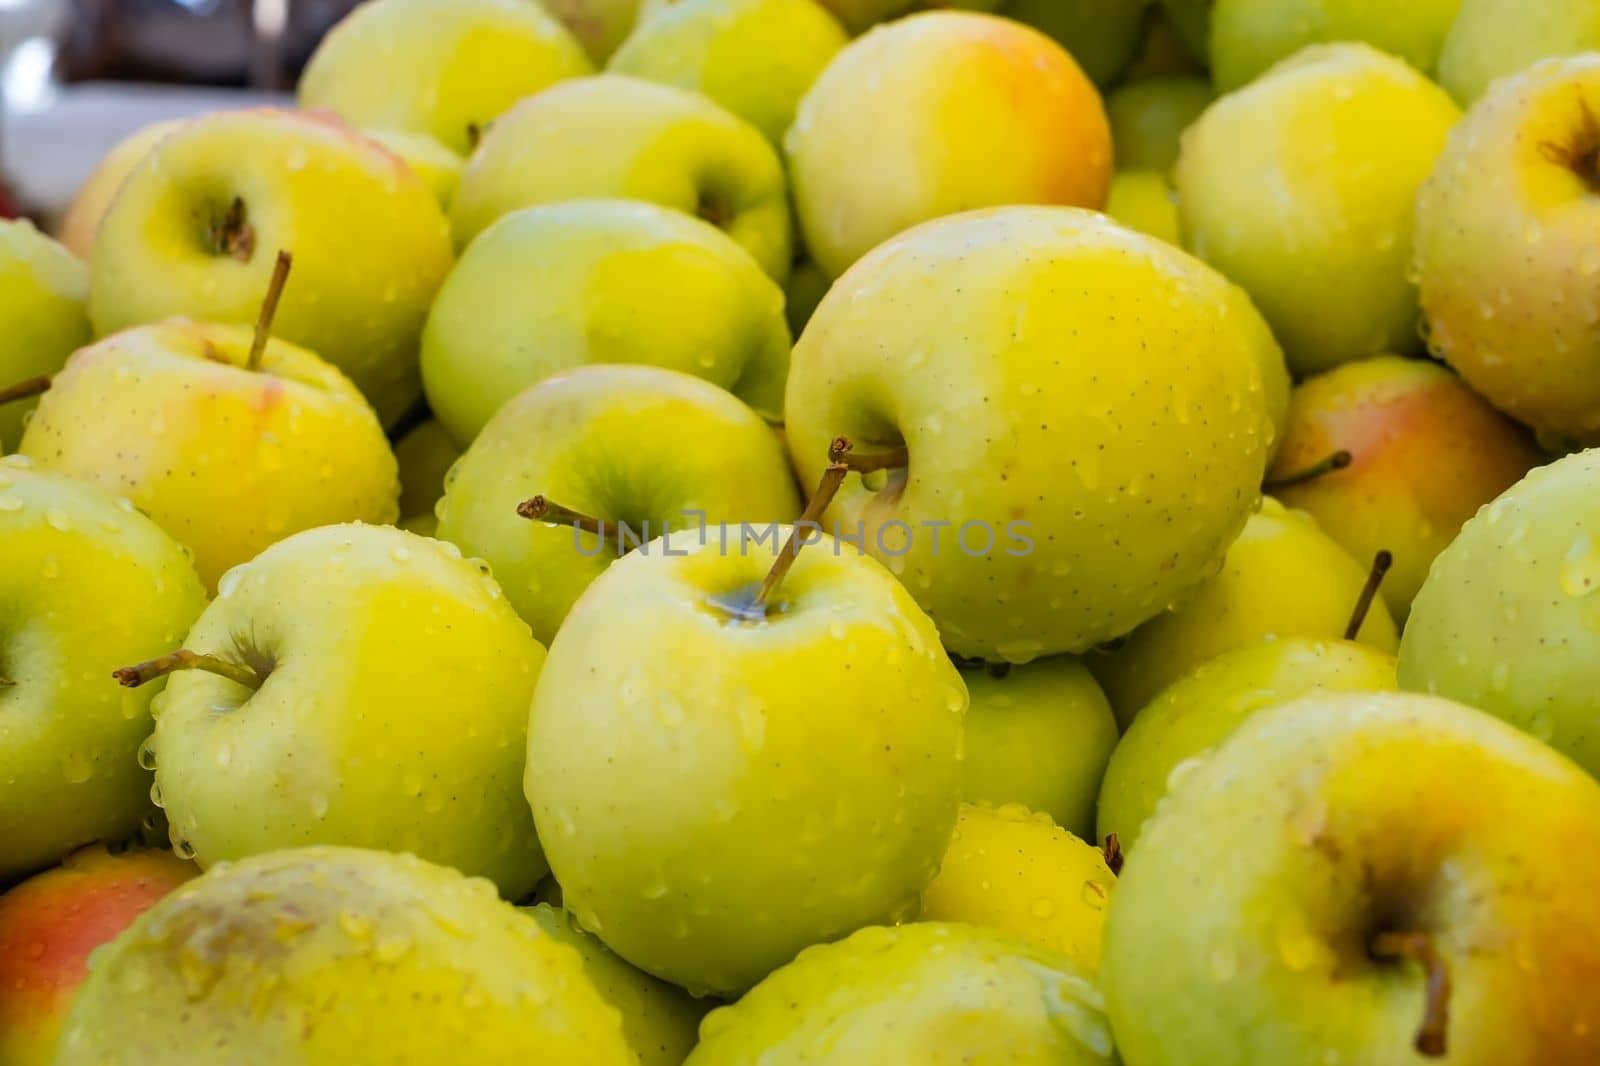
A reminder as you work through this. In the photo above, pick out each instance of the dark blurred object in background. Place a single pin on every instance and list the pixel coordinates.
(260, 43)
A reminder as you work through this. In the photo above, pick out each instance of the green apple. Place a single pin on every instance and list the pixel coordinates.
(1425, 453)
(1509, 618)
(42, 318)
(1024, 525)
(1303, 184)
(928, 994)
(198, 222)
(805, 289)
(550, 288)
(1011, 869)
(50, 924)
(1491, 39)
(1250, 36)
(84, 581)
(1283, 577)
(599, 25)
(1102, 35)
(1173, 734)
(1014, 119)
(81, 222)
(226, 457)
(446, 68)
(425, 456)
(660, 1022)
(338, 955)
(638, 446)
(756, 58)
(1148, 118)
(1191, 19)
(1508, 246)
(436, 165)
(373, 691)
(1038, 735)
(615, 136)
(1356, 886)
(722, 776)
(1145, 200)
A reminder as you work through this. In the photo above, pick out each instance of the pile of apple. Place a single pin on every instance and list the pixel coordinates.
(722, 560)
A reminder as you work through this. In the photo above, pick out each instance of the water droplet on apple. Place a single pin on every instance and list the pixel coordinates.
(10, 504)
(1580, 568)
(57, 520)
(668, 709)
(392, 949)
(1043, 908)
(319, 805)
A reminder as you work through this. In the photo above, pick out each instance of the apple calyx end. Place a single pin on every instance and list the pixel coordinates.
(1381, 562)
(1339, 460)
(141, 674)
(25, 390)
(1419, 947)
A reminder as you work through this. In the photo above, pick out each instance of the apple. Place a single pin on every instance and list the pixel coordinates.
(49, 925)
(928, 994)
(307, 701)
(81, 222)
(1011, 869)
(756, 58)
(1506, 249)
(445, 68)
(1148, 118)
(1250, 36)
(83, 580)
(1425, 453)
(1038, 735)
(338, 955)
(660, 1023)
(599, 25)
(1357, 887)
(639, 448)
(1509, 618)
(227, 452)
(615, 136)
(436, 165)
(725, 769)
(1173, 734)
(1102, 35)
(1491, 39)
(1283, 577)
(1145, 200)
(42, 318)
(198, 221)
(1026, 525)
(1302, 184)
(1014, 118)
(425, 456)
(550, 288)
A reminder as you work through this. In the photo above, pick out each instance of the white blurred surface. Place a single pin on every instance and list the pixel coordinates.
(49, 150)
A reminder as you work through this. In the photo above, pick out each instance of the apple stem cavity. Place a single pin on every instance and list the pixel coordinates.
(1339, 460)
(231, 234)
(1582, 155)
(183, 659)
(894, 459)
(269, 309)
(24, 390)
(832, 479)
(1112, 850)
(1419, 948)
(1380, 569)
(543, 509)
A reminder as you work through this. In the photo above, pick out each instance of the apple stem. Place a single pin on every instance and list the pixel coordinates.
(1419, 948)
(1337, 461)
(1112, 850)
(542, 509)
(832, 478)
(474, 136)
(269, 309)
(895, 459)
(24, 390)
(1369, 592)
(183, 659)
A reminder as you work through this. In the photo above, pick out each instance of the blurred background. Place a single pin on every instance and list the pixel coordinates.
(77, 75)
